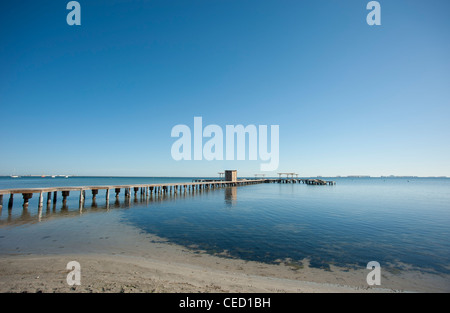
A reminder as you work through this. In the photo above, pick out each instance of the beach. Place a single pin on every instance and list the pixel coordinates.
(150, 264)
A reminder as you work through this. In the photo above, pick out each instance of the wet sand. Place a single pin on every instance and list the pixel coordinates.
(138, 262)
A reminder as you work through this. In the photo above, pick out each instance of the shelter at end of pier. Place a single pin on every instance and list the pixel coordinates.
(231, 175)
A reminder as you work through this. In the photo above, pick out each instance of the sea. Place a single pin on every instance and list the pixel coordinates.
(402, 223)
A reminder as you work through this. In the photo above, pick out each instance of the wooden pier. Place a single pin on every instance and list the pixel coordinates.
(51, 193)
(307, 181)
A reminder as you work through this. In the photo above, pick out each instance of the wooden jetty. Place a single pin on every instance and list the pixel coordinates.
(307, 181)
(144, 189)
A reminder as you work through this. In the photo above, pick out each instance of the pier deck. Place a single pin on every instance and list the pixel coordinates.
(147, 189)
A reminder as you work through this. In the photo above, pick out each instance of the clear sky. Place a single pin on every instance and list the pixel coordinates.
(102, 98)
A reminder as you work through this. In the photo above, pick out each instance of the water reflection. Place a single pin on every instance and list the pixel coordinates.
(230, 196)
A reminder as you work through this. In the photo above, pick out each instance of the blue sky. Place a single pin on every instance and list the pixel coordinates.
(102, 98)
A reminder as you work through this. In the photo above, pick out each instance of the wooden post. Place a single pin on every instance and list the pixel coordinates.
(41, 199)
(94, 193)
(55, 194)
(49, 197)
(117, 190)
(1, 200)
(80, 204)
(65, 194)
(11, 201)
(26, 197)
(107, 195)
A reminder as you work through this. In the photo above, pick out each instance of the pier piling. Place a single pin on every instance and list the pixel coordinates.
(26, 197)
(41, 199)
(65, 194)
(160, 191)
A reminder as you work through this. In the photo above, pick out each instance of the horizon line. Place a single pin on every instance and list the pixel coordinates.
(125, 176)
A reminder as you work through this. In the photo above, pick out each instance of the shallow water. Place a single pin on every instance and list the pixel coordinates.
(399, 222)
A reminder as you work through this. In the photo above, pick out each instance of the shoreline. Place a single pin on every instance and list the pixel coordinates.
(158, 266)
(118, 274)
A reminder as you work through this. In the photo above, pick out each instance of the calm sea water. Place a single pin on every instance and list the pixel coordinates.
(403, 222)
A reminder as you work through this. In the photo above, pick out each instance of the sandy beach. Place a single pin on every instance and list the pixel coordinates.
(152, 265)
